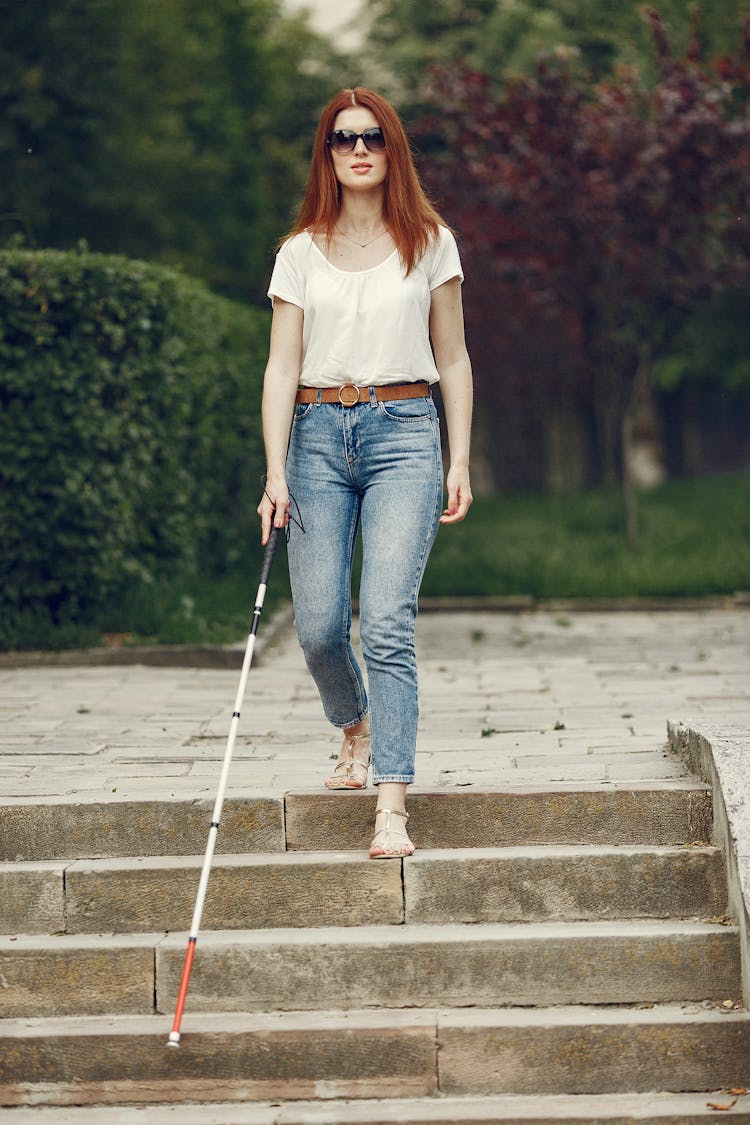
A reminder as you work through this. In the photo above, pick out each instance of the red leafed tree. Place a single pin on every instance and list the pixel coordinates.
(592, 220)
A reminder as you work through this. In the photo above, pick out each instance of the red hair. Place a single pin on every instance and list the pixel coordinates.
(410, 217)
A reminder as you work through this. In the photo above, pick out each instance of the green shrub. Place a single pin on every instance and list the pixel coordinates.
(130, 440)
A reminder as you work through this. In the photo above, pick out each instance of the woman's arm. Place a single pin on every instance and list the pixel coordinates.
(454, 368)
(279, 390)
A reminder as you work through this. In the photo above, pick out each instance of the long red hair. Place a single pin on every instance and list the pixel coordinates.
(412, 220)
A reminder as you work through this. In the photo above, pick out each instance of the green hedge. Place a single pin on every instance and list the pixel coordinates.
(130, 441)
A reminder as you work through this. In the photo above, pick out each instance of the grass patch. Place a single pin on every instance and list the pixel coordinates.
(198, 611)
(695, 542)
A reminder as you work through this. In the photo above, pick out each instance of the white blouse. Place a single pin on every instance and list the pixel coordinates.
(368, 327)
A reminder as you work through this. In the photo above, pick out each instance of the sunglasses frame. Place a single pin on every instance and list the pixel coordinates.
(354, 137)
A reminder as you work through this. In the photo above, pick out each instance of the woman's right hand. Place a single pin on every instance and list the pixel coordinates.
(273, 508)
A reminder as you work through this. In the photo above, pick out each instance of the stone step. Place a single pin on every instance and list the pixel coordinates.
(482, 965)
(433, 1056)
(42, 975)
(572, 1109)
(108, 829)
(274, 889)
(564, 883)
(264, 890)
(668, 813)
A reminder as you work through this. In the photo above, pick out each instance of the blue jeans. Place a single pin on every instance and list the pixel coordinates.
(378, 464)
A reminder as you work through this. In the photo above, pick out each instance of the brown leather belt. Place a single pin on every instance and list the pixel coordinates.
(349, 395)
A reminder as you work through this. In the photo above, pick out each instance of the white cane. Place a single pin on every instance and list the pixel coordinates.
(174, 1035)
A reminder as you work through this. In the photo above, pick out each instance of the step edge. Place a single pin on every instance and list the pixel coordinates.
(408, 933)
(336, 1111)
(448, 932)
(206, 1023)
(677, 785)
(343, 857)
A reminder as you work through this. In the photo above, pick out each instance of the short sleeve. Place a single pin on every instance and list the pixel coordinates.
(442, 260)
(288, 277)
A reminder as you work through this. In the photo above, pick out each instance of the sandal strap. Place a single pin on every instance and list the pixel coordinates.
(350, 770)
(347, 757)
(345, 765)
(390, 840)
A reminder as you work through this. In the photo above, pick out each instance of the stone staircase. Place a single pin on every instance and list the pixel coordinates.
(574, 964)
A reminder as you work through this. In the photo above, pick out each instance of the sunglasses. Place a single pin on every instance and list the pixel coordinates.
(343, 141)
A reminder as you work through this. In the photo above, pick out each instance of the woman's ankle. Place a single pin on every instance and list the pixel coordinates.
(391, 795)
(362, 727)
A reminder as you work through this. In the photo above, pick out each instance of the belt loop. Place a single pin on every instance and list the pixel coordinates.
(319, 397)
(373, 398)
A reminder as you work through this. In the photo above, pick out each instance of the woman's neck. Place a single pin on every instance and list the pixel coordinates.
(361, 212)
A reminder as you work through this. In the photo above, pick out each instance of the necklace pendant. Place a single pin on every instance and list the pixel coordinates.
(356, 241)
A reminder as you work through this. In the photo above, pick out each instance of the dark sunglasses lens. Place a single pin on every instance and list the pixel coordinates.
(343, 140)
(374, 140)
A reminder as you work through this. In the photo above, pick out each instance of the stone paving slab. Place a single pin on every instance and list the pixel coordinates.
(507, 699)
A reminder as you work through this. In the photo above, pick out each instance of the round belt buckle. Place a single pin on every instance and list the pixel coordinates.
(350, 390)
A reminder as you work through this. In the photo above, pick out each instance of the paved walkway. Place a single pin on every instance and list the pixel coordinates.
(507, 700)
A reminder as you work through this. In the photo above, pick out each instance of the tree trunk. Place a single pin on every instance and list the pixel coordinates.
(692, 443)
(630, 496)
(638, 394)
(605, 412)
(565, 447)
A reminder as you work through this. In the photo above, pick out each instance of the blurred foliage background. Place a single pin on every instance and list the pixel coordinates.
(594, 161)
(505, 38)
(176, 132)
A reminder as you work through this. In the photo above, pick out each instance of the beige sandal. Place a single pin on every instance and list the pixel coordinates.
(351, 768)
(390, 841)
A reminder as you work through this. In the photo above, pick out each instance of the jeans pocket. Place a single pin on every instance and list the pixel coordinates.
(301, 410)
(409, 409)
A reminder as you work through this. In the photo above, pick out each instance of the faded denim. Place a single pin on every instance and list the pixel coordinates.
(377, 464)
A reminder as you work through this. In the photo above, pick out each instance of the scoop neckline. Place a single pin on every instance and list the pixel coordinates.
(349, 273)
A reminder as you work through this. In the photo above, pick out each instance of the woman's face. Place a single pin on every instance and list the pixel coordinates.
(360, 169)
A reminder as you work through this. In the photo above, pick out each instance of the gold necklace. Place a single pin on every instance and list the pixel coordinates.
(356, 240)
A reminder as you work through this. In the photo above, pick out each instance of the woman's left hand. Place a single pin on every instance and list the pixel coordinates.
(459, 495)
(452, 360)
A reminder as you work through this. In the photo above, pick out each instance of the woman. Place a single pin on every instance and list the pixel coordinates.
(367, 313)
